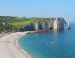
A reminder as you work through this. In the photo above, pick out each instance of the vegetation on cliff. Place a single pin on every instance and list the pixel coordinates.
(10, 23)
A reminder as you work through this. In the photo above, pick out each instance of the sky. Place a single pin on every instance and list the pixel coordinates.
(38, 8)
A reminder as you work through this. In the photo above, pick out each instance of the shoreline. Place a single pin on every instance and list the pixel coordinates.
(10, 48)
(22, 50)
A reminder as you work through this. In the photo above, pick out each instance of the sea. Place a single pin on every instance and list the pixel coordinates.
(53, 44)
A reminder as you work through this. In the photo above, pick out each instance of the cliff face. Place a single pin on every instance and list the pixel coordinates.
(30, 24)
(52, 24)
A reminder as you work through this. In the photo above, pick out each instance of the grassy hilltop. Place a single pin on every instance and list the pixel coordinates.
(10, 23)
(14, 23)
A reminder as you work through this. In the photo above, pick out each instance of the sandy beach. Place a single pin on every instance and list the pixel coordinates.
(9, 47)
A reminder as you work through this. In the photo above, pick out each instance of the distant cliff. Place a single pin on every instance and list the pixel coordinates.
(10, 23)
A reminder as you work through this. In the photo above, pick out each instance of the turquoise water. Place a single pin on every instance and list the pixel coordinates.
(50, 44)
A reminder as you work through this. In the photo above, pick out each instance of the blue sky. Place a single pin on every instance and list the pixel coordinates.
(38, 8)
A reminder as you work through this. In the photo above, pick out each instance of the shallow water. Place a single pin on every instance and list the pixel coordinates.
(50, 44)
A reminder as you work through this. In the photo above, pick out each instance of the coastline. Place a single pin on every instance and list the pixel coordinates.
(9, 47)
